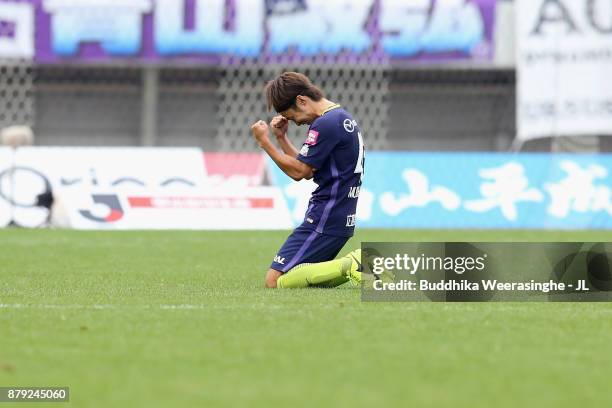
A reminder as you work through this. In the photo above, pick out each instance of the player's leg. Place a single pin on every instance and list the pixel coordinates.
(329, 274)
(334, 282)
(308, 260)
(290, 248)
(272, 277)
(333, 273)
(305, 278)
(305, 246)
(323, 274)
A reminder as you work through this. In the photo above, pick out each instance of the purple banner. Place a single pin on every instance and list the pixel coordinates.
(276, 30)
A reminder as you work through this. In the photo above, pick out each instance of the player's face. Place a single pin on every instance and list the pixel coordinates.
(298, 115)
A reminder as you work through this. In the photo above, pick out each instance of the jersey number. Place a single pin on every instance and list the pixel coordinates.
(361, 158)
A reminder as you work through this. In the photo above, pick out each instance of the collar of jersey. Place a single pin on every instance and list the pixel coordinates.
(334, 106)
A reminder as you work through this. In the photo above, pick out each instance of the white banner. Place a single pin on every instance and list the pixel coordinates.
(134, 188)
(564, 67)
(6, 186)
(40, 169)
(16, 30)
(214, 209)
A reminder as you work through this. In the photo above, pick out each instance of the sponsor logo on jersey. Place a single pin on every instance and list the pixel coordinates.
(279, 260)
(350, 125)
(350, 220)
(313, 135)
(304, 150)
(354, 192)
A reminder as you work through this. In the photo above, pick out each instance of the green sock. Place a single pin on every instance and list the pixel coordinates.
(315, 274)
(334, 282)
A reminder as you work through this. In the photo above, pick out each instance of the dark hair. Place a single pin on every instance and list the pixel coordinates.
(282, 91)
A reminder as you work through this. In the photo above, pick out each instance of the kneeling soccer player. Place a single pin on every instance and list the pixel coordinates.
(333, 153)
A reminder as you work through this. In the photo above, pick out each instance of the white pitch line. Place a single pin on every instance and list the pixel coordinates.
(23, 306)
(117, 307)
(100, 307)
(494, 307)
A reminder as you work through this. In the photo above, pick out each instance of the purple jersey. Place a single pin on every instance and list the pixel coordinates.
(334, 147)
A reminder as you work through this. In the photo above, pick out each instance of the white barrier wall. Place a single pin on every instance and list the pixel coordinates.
(154, 188)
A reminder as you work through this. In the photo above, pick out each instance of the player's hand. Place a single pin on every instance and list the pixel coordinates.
(279, 126)
(260, 132)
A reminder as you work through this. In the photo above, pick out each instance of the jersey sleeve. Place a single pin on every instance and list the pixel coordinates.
(321, 140)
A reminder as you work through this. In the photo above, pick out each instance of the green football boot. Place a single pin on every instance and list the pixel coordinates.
(354, 269)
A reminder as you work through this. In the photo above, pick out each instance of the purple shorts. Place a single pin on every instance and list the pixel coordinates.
(307, 246)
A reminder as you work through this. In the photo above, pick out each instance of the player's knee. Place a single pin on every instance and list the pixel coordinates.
(271, 278)
(270, 282)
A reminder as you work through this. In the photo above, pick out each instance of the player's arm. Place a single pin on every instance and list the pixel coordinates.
(291, 166)
(287, 146)
(280, 126)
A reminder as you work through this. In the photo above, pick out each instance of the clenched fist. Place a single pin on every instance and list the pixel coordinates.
(279, 126)
(260, 131)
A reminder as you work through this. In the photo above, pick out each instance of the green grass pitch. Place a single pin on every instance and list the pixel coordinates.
(147, 319)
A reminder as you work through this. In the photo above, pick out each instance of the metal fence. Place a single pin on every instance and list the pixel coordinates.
(399, 108)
